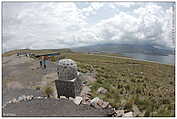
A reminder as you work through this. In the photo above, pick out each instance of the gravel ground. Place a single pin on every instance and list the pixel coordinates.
(25, 73)
(52, 107)
(15, 93)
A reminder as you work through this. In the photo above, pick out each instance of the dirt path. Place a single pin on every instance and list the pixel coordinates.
(20, 75)
(25, 73)
(52, 107)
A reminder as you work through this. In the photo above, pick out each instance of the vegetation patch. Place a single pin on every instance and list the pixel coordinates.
(150, 86)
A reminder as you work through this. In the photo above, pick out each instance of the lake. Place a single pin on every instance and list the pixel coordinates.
(170, 59)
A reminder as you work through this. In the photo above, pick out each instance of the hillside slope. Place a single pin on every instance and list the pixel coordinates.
(150, 86)
(125, 48)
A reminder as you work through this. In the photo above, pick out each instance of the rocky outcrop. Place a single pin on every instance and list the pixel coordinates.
(102, 90)
(86, 95)
(119, 113)
(77, 100)
(128, 114)
(136, 111)
(52, 107)
(98, 103)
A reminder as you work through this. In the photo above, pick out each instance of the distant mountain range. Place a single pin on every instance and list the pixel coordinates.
(125, 48)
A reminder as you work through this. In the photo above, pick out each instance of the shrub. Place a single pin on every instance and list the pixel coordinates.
(163, 112)
(37, 87)
(61, 57)
(54, 58)
(48, 91)
(129, 105)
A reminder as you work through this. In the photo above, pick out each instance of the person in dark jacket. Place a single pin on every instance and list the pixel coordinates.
(40, 63)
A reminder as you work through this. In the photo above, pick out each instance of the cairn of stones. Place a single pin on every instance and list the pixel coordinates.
(68, 83)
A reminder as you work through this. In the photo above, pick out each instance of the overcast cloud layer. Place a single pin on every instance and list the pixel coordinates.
(40, 25)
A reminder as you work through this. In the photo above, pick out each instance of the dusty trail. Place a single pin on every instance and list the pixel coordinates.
(53, 107)
(20, 75)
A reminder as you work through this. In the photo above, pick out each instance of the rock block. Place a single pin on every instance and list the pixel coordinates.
(68, 88)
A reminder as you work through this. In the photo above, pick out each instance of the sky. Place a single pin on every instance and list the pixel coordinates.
(51, 25)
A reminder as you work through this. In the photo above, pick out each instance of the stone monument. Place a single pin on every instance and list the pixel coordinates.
(68, 83)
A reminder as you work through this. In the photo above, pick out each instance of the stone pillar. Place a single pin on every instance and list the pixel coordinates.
(68, 83)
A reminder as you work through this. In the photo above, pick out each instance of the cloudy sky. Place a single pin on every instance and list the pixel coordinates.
(44, 25)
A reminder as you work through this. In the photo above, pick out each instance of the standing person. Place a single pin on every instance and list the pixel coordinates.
(45, 58)
(40, 61)
(44, 66)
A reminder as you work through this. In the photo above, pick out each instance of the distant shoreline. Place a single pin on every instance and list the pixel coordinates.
(162, 59)
(132, 56)
(124, 57)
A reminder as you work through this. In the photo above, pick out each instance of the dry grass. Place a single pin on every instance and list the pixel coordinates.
(151, 86)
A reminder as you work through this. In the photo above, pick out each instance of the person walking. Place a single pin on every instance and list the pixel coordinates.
(44, 66)
(45, 58)
(40, 63)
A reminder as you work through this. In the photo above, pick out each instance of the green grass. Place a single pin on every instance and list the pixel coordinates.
(54, 58)
(151, 86)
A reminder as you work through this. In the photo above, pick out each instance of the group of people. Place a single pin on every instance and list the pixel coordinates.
(43, 61)
(24, 54)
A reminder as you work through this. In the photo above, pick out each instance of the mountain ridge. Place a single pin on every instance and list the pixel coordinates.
(126, 48)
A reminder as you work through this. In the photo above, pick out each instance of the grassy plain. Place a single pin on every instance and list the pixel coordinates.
(150, 86)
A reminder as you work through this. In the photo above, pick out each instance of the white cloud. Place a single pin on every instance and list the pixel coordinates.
(43, 25)
(146, 25)
(59, 25)
(125, 4)
(94, 6)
